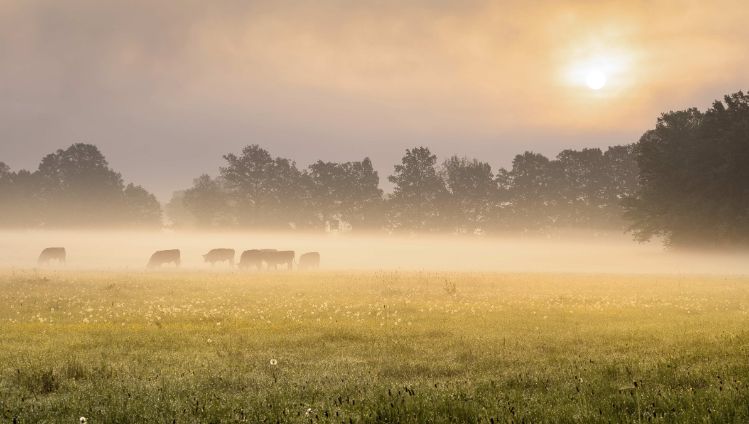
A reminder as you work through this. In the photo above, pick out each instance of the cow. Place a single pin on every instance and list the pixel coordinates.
(52, 254)
(251, 258)
(220, 255)
(309, 260)
(162, 257)
(281, 257)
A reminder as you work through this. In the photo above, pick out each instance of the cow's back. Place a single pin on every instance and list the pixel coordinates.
(164, 257)
(220, 255)
(53, 254)
(250, 258)
(279, 257)
(309, 260)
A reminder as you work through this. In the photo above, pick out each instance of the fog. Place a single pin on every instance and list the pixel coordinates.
(121, 250)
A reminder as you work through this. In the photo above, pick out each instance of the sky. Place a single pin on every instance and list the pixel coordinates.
(165, 88)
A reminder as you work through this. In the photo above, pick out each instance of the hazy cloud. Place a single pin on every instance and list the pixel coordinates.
(166, 88)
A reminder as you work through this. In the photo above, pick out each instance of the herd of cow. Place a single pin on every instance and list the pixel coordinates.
(250, 259)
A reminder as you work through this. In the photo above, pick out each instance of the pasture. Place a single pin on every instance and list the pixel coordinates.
(368, 346)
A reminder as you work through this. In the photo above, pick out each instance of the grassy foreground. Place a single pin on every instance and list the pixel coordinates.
(191, 347)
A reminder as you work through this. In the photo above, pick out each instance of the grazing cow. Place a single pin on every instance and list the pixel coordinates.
(162, 257)
(251, 259)
(282, 257)
(309, 260)
(52, 254)
(220, 255)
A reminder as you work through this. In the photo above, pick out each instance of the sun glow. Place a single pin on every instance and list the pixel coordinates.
(595, 79)
(605, 72)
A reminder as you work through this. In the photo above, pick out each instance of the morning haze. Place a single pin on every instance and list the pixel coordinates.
(165, 89)
(374, 211)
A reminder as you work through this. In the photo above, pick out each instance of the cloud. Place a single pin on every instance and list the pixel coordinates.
(166, 88)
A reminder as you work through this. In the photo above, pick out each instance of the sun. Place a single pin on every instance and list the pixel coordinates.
(595, 79)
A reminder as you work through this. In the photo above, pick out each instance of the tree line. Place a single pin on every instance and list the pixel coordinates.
(74, 188)
(685, 181)
(256, 190)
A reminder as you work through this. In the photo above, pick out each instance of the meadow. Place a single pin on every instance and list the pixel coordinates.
(371, 346)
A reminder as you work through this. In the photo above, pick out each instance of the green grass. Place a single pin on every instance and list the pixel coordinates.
(196, 347)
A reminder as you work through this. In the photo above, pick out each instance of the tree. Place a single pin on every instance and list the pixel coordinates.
(177, 213)
(4, 172)
(74, 187)
(583, 187)
(418, 193)
(207, 201)
(694, 179)
(533, 191)
(472, 193)
(141, 207)
(621, 173)
(347, 191)
(267, 192)
(79, 188)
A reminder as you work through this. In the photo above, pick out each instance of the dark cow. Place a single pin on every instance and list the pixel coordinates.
(309, 260)
(52, 254)
(251, 259)
(281, 257)
(220, 255)
(162, 257)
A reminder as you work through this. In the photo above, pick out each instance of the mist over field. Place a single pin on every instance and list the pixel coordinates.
(578, 252)
(374, 211)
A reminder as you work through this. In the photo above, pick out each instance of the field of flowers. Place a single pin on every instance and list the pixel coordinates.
(198, 347)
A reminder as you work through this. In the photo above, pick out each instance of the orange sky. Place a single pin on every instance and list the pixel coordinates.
(166, 88)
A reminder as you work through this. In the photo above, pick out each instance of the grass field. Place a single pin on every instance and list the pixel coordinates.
(187, 347)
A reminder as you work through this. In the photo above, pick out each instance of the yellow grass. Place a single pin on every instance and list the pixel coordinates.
(372, 346)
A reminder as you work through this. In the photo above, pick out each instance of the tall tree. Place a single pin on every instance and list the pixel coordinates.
(418, 194)
(694, 178)
(583, 187)
(141, 208)
(20, 200)
(267, 192)
(78, 188)
(177, 213)
(472, 193)
(534, 192)
(208, 202)
(621, 179)
(346, 191)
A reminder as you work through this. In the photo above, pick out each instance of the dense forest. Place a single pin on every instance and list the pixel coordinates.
(685, 181)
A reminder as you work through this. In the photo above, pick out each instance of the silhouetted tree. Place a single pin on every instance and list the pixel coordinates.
(267, 192)
(534, 192)
(20, 201)
(694, 178)
(621, 174)
(141, 207)
(418, 194)
(208, 202)
(472, 193)
(74, 187)
(177, 213)
(583, 187)
(346, 191)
